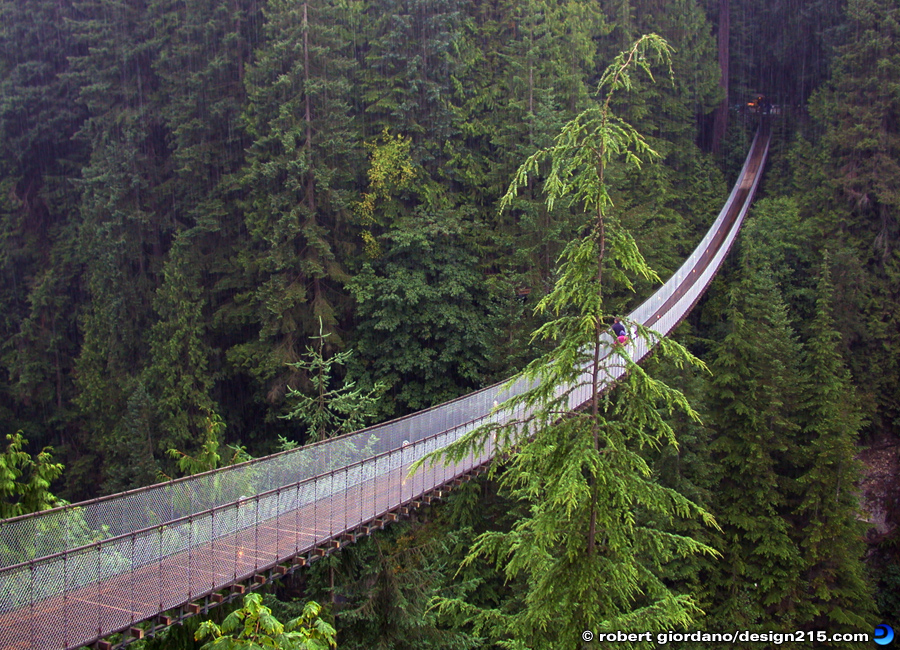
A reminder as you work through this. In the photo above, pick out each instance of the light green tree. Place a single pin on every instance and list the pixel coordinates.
(207, 457)
(588, 553)
(253, 627)
(24, 480)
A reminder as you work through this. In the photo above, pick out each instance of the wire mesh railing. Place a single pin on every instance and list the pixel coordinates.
(79, 573)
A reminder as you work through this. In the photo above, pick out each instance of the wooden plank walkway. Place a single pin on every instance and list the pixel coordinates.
(84, 615)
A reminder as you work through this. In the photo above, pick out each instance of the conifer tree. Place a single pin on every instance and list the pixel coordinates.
(753, 399)
(536, 77)
(829, 531)
(383, 585)
(39, 115)
(408, 71)
(855, 105)
(297, 181)
(668, 206)
(134, 448)
(329, 411)
(784, 51)
(123, 226)
(587, 554)
(859, 155)
(204, 47)
(179, 375)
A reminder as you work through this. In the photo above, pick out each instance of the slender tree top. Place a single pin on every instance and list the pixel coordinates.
(595, 137)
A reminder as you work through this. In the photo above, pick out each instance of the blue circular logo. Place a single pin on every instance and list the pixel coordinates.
(884, 634)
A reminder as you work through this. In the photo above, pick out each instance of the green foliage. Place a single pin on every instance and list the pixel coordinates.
(593, 139)
(207, 458)
(587, 554)
(407, 72)
(784, 52)
(122, 224)
(753, 397)
(180, 377)
(25, 481)
(785, 421)
(133, 448)
(426, 302)
(686, 469)
(294, 193)
(854, 108)
(381, 588)
(391, 170)
(889, 592)
(510, 99)
(39, 300)
(330, 411)
(831, 535)
(423, 297)
(184, 194)
(850, 185)
(253, 627)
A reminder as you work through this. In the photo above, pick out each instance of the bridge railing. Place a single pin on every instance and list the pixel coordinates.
(339, 476)
(50, 532)
(703, 263)
(692, 265)
(136, 575)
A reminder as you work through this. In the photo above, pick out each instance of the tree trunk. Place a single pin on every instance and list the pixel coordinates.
(720, 123)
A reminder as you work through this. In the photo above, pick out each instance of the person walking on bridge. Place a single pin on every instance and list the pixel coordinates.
(620, 331)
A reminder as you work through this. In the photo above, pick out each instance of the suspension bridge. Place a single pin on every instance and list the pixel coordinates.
(133, 563)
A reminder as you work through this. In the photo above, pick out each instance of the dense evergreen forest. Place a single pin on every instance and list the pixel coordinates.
(202, 203)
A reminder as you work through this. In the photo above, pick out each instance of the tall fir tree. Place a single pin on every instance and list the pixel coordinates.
(408, 66)
(754, 398)
(39, 114)
(532, 66)
(179, 373)
(587, 553)
(829, 530)
(124, 228)
(860, 150)
(298, 184)
(204, 49)
(669, 207)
